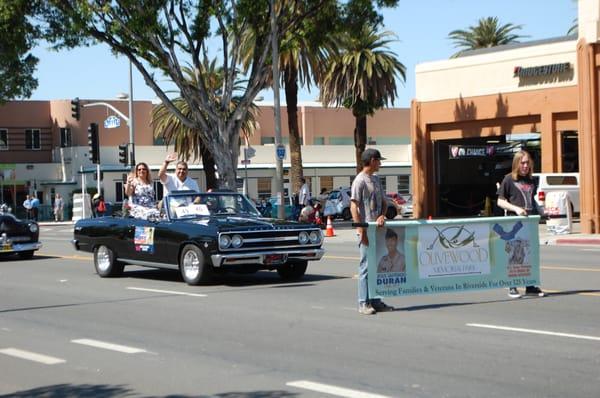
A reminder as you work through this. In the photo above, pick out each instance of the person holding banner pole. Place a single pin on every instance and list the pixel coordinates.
(516, 196)
(367, 204)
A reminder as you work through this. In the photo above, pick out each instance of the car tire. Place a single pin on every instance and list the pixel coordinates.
(292, 270)
(193, 266)
(105, 263)
(28, 255)
(346, 214)
(391, 213)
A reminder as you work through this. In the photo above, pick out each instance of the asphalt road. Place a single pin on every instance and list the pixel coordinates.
(66, 332)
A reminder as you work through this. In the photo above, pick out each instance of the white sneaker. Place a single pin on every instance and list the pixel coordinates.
(366, 309)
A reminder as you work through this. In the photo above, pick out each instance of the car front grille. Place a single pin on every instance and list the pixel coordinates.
(283, 238)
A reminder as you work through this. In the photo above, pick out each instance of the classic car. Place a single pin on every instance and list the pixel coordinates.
(201, 234)
(18, 237)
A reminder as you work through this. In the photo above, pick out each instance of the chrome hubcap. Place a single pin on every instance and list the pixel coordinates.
(191, 265)
(103, 258)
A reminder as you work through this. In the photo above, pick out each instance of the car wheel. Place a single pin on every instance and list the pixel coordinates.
(26, 255)
(391, 213)
(105, 263)
(194, 269)
(346, 214)
(292, 270)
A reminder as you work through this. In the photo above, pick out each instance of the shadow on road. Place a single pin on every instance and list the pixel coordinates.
(107, 391)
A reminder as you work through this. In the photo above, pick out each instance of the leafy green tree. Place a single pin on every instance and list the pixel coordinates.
(362, 77)
(487, 33)
(162, 35)
(17, 37)
(187, 141)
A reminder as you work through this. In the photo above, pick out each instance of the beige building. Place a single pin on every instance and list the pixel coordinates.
(43, 149)
(471, 113)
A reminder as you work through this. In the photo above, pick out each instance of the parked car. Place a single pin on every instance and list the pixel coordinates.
(548, 182)
(20, 237)
(338, 205)
(407, 207)
(199, 235)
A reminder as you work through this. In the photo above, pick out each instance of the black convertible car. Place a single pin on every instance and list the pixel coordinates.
(18, 236)
(200, 234)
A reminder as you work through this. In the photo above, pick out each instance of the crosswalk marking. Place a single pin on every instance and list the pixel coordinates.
(108, 346)
(31, 356)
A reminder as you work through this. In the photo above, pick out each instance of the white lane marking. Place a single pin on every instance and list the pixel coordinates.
(108, 346)
(591, 250)
(332, 390)
(167, 292)
(31, 356)
(534, 331)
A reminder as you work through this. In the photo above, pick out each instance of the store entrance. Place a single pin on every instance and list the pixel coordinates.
(468, 169)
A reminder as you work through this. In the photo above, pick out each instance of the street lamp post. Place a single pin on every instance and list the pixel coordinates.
(277, 110)
(131, 118)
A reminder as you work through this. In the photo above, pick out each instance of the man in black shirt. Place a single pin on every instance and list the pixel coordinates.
(515, 195)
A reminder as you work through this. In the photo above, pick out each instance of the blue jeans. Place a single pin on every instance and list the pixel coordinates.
(363, 288)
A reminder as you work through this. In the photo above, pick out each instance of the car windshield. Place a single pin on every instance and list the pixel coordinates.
(196, 205)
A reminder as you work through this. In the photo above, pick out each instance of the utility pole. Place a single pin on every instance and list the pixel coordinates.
(277, 110)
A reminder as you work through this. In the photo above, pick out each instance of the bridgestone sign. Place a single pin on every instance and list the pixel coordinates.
(543, 70)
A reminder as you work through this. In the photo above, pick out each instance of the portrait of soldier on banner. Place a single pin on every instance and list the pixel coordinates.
(393, 259)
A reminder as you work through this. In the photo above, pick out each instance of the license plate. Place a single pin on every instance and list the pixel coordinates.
(274, 259)
(6, 248)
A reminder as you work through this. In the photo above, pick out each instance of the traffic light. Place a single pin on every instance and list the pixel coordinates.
(123, 154)
(75, 109)
(94, 143)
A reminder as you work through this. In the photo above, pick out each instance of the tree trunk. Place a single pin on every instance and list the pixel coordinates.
(360, 140)
(291, 97)
(208, 162)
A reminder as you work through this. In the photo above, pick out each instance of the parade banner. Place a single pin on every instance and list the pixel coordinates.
(442, 256)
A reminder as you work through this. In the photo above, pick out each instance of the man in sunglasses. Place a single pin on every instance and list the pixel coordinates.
(180, 181)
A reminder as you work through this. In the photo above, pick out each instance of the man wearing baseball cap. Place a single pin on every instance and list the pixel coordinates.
(367, 204)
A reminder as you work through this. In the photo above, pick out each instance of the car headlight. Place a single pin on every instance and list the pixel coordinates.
(33, 227)
(224, 241)
(303, 237)
(315, 237)
(236, 241)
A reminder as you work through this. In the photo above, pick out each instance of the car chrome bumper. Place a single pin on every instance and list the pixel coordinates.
(259, 257)
(21, 247)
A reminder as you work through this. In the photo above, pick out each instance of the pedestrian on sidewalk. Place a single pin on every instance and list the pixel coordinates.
(516, 196)
(367, 203)
(58, 207)
(27, 206)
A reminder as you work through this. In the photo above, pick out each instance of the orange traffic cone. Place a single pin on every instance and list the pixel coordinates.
(329, 231)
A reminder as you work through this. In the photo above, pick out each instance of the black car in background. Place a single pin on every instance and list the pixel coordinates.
(201, 234)
(20, 237)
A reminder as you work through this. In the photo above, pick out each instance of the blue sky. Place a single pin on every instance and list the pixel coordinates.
(422, 27)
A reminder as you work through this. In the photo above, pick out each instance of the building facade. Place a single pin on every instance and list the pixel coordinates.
(44, 149)
(471, 114)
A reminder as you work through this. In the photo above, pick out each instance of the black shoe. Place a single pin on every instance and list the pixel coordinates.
(380, 306)
(513, 293)
(534, 291)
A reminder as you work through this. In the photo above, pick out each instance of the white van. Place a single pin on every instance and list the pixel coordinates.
(547, 182)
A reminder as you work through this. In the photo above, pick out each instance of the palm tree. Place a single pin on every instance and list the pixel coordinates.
(362, 77)
(487, 33)
(301, 56)
(188, 142)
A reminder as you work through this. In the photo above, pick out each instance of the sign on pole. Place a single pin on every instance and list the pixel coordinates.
(112, 122)
(280, 151)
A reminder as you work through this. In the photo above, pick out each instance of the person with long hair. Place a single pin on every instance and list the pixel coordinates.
(516, 196)
(140, 190)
